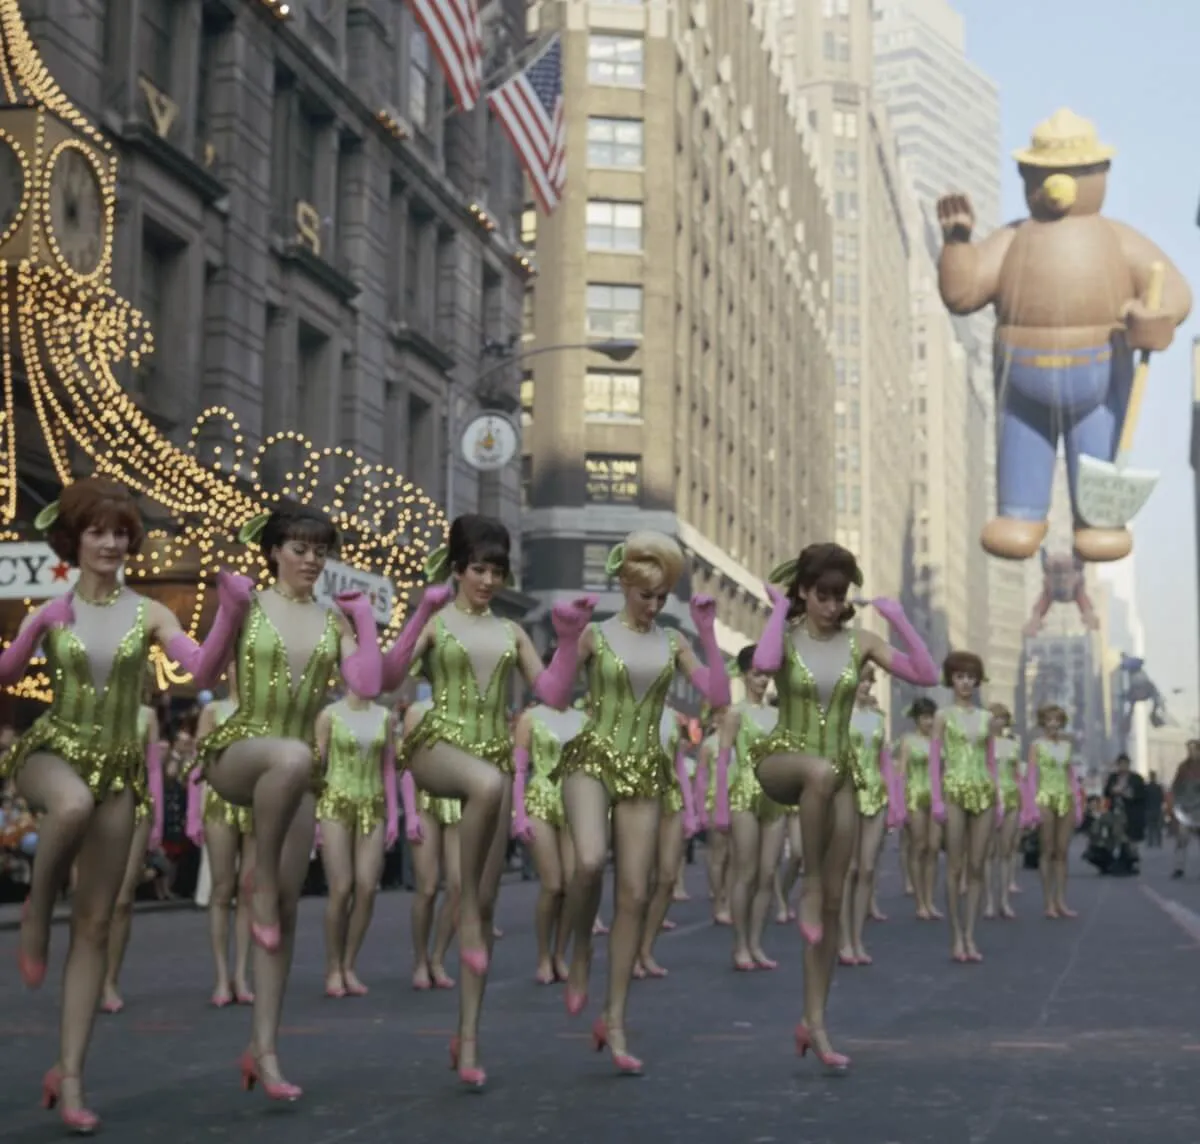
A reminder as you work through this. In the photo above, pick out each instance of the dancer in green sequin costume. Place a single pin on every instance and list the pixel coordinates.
(617, 764)
(808, 760)
(962, 780)
(290, 648)
(542, 732)
(756, 826)
(432, 830)
(227, 834)
(359, 820)
(1002, 852)
(716, 842)
(924, 831)
(1055, 801)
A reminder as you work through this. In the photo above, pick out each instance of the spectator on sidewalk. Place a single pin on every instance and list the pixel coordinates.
(1185, 802)
(1154, 812)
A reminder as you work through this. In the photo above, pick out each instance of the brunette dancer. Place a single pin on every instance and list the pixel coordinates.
(264, 755)
(1003, 851)
(879, 805)
(808, 759)
(1055, 798)
(431, 826)
(962, 779)
(755, 824)
(676, 823)
(359, 818)
(924, 830)
(83, 761)
(462, 746)
(541, 733)
(147, 835)
(716, 842)
(227, 834)
(617, 764)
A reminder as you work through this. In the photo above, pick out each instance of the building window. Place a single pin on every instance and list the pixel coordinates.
(527, 401)
(420, 76)
(854, 334)
(529, 227)
(856, 498)
(308, 131)
(595, 568)
(840, 370)
(155, 37)
(852, 206)
(852, 373)
(614, 311)
(618, 61)
(828, 46)
(851, 248)
(851, 124)
(615, 143)
(840, 498)
(527, 317)
(854, 460)
(612, 395)
(843, 48)
(210, 42)
(613, 480)
(526, 481)
(614, 226)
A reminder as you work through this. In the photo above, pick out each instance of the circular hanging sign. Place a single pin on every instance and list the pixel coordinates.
(490, 441)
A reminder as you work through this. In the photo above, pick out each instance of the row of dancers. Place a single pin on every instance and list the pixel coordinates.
(83, 762)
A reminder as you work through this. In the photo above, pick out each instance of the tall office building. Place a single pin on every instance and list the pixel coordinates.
(695, 226)
(945, 115)
(827, 59)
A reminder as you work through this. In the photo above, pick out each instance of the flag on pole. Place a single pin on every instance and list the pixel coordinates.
(530, 109)
(456, 34)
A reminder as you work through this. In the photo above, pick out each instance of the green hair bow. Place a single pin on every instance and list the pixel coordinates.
(251, 532)
(437, 566)
(45, 519)
(616, 558)
(785, 573)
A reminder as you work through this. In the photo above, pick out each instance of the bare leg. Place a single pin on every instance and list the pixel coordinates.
(871, 832)
(956, 864)
(846, 918)
(102, 860)
(337, 856)
(272, 968)
(771, 838)
(1006, 848)
(917, 829)
(587, 807)
(241, 925)
(447, 919)
(744, 848)
(718, 876)
(669, 862)
(906, 861)
(992, 870)
(933, 854)
(547, 861)
(118, 934)
(791, 869)
(566, 855)
(473, 985)
(1046, 863)
(427, 861)
(221, 841)
(981, 829)
(1064, 828)
(635, 827)
(368, 867)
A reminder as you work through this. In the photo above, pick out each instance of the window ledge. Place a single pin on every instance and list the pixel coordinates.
(322, 272)
(141, 137)
(405, 337)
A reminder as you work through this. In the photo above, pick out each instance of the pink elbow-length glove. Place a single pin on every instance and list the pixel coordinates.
(205, 662)
(691, 825)
(363, 669)
(710, 679)
(195, 809)
(389, 794)
(413, 830)
(916, 665)
(938, 805)
(768, 653)
(520, 828)
(721, 803)
(700, 795)
(555, 684)
(154, 783)
(15, 658)
(398, 658)
(895, 791)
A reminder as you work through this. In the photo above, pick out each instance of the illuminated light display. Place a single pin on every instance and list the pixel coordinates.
(65, 329)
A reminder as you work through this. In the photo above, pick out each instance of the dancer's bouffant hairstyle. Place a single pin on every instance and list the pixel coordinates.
(827, 566)
(999, 711)
(478, 539)
(963, 663)
(745, 658)
(650, 560)
(94, 502)
(291, 521)
(922, 706)
(1048, 710)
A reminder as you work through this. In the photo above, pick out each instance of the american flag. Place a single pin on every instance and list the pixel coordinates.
(530, 109)
(454, 31)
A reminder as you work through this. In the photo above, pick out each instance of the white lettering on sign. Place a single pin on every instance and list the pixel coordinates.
(32, 571)
(338, 578)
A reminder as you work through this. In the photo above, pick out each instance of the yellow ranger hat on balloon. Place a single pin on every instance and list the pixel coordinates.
(1064, 140)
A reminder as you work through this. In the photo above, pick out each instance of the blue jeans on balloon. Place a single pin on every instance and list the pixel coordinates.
(1079, 397)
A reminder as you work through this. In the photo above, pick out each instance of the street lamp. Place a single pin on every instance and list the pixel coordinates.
(615, 349)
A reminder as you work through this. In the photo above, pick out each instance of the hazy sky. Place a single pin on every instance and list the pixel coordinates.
(1131, 69)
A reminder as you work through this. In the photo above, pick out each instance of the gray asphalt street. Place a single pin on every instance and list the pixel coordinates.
(1069, 1032)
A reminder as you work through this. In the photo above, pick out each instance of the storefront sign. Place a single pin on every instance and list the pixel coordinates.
(339, 577)
(32, 572)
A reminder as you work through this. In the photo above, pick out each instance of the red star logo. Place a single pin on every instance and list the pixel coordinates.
(60, 571)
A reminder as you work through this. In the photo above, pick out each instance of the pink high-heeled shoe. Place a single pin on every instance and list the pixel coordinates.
(220, 999)
(767, 963)
(472, 1078)
(847, 959)
(476, 960)
(81, 1121)
(243, 996)
(836, 1063)
(744, 964)
(275, 1090)
(32, 971)
(356, 989)
(626, 1064)
(112, 1007)
(269, 938)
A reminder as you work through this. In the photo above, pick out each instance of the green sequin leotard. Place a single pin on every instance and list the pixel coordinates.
(549, 730)
(917, 789)
(746, 795)
(1008, 772)
(966, 780)
(354, 795)
(145, 806)
(866, 736)
(669, 735)
(1054, 794)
